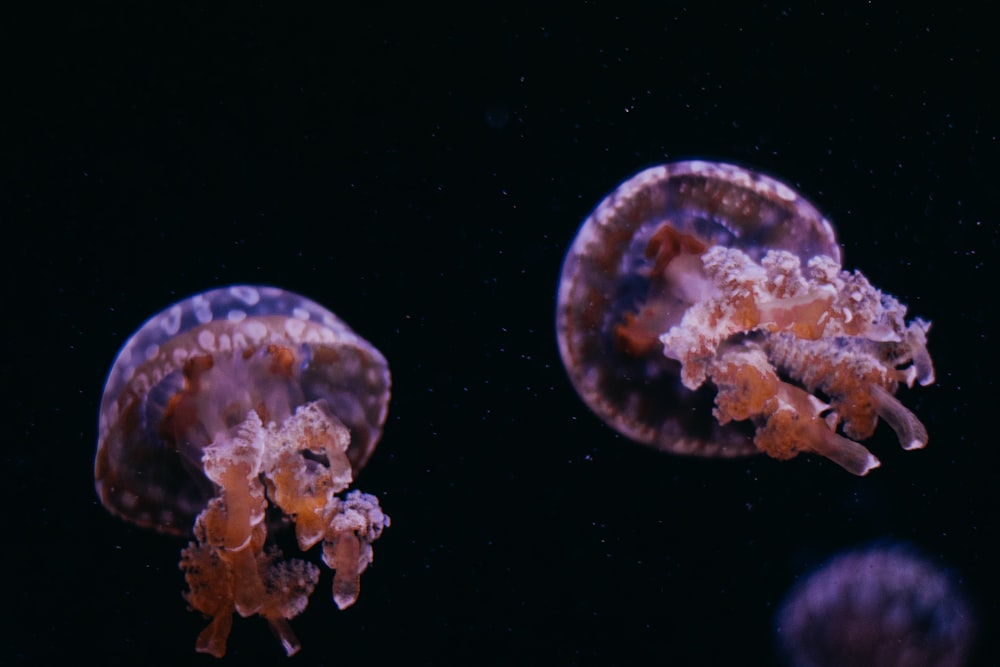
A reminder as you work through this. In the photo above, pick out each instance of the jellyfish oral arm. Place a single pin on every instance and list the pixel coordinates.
(227, 567)
(790, 419)
(769, 336)
(909, 429)
(356, 522)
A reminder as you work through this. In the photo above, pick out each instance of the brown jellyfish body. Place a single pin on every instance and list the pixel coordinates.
(229, 414)
(702, 309)
(880, 606)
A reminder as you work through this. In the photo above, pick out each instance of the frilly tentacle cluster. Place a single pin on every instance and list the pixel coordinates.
(769, 335)
(298, 466)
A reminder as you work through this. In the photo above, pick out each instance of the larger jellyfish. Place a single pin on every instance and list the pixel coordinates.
(228, 414)
(700, 283)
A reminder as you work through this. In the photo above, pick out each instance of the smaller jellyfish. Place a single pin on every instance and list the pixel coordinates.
(233, 414)
(883, 606)
(703, 309)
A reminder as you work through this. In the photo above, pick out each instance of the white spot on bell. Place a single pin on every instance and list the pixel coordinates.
(785, 192)
(255, 330)
(294, 328)
(202, 309)
(246, 294)
(171, 321)
(206, 339)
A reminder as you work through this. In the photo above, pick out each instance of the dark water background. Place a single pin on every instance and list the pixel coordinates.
(421, 174)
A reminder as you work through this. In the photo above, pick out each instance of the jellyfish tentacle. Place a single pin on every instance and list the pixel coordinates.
(356, 522)
(790, 420)
(798, 426)
(909, 429)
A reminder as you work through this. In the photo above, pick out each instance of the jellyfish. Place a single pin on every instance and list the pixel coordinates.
(702, 309)
(230, 415)
(877, 606)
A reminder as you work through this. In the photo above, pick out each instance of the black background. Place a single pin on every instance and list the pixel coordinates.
(422, 173)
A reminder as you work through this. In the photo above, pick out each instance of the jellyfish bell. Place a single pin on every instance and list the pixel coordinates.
(227, 411)
(702, 307)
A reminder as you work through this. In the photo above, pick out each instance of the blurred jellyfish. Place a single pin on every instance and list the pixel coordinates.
(877, 607)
